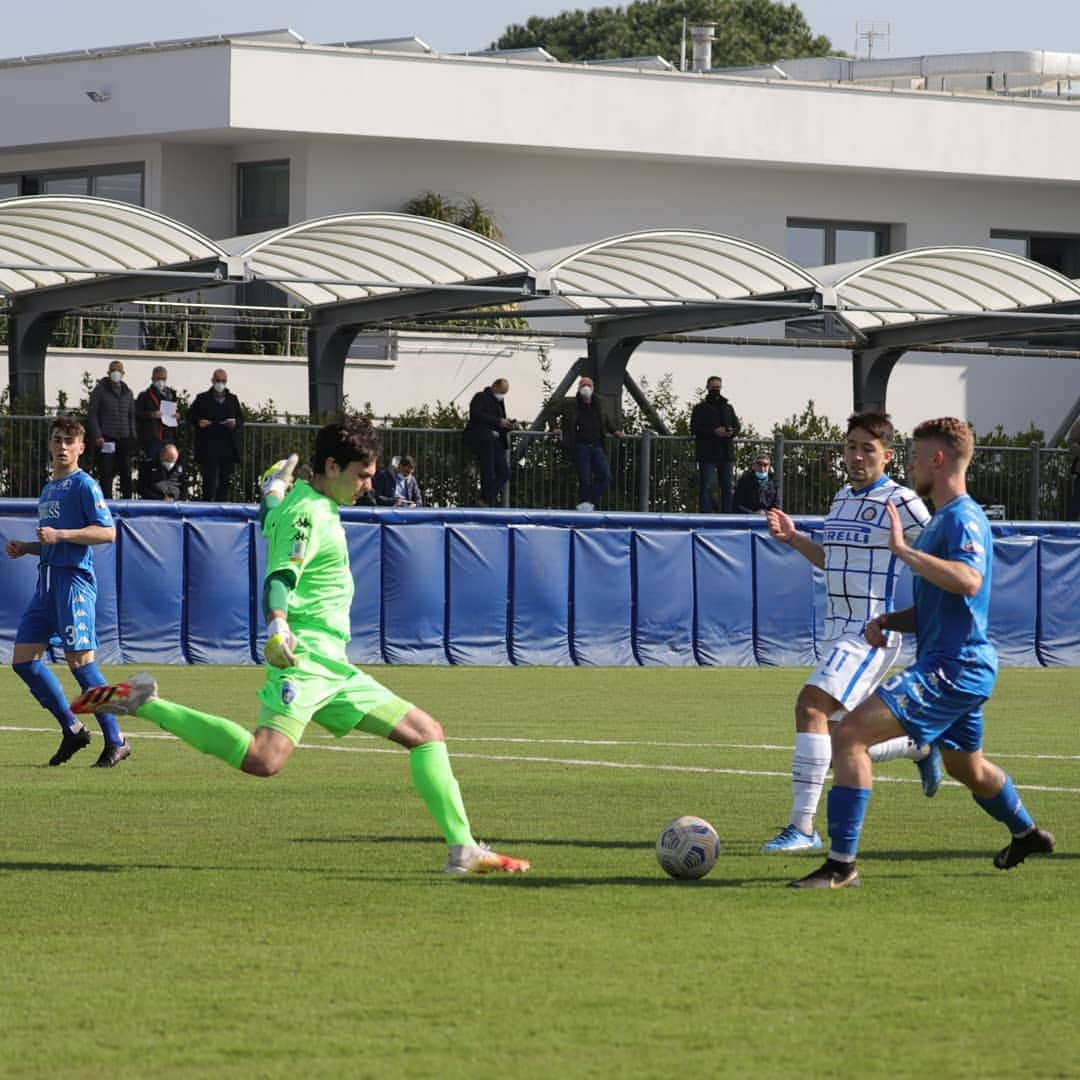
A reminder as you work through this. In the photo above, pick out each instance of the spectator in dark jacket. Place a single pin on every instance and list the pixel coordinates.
(156, 426)
(756, 490)
(396, 485)
(583, 426)
(486, 436)
(1072, 440)
(714, 425)
(111, 425)
(164, 477)
(218, 420)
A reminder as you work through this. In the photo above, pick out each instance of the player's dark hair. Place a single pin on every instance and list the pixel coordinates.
(349, 438)
(68, 425)
(956, 435)
(879, 424)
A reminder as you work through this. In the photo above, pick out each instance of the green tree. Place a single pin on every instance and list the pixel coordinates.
(747, 31)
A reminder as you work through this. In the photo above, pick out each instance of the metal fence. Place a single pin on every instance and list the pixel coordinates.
(650, 473)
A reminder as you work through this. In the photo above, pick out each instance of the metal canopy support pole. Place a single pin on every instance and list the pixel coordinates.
(870, 370)
(644, 404)
(28, 341)
(334, 326)
(608, 358)
(33, 316)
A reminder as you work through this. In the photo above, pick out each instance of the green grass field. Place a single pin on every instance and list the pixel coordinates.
(172, 918)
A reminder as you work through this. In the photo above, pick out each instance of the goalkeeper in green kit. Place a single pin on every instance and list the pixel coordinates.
(306, 599)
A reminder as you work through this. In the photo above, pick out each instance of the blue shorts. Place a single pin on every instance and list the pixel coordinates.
(62, 608)
(931, 708)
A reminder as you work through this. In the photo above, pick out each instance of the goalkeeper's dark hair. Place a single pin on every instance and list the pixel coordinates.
(349, 438)
(879, 424)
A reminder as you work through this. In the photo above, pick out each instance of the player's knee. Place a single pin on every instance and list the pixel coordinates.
(255, 765)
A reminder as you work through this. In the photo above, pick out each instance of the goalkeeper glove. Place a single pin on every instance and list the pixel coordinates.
(277, 480)
(280, 648)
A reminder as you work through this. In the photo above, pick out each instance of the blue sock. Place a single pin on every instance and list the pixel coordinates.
(847, 808)
(1007, 808)
(87, 676)
(48, 692)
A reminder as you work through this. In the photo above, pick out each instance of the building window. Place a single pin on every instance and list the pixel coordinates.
(821, 243)
(262, 196)
(1060, 253)
(124, 183)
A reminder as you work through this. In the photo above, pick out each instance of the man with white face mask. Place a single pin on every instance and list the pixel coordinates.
(156, 425)
(110, 421)
(165, 477)
(583, 427)
(218, 420)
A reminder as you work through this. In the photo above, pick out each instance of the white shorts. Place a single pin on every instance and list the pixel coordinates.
(852, 668)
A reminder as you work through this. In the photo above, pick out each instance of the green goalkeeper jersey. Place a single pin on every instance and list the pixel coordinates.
(306, 538)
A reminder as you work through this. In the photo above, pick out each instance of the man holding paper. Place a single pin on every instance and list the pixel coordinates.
(156, 415)
(111, 422)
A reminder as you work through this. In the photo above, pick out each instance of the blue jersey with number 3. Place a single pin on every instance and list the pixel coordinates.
(952, 627)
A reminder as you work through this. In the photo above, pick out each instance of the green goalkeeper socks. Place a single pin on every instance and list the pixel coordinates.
(211, 734)
(434, 779)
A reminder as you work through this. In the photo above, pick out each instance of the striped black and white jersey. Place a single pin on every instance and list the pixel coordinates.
(860, 570)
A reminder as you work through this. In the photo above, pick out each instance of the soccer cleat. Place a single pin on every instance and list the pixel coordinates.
(122, 698)
(930, 771)
(277, 479)
(480, 859)
(71, 743)
(790, 838)
(112, 755)
(1036, 842)
(829, 875)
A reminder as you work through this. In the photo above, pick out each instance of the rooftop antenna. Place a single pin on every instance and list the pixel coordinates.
(872, 32)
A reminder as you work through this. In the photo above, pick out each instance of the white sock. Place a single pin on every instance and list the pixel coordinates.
(813, 753)
(901, 746)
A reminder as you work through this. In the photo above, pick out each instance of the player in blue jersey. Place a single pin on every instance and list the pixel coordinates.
(860, 577)
(72, 517)
(939, 698)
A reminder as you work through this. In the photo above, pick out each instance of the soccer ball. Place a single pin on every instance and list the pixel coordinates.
(687, 847)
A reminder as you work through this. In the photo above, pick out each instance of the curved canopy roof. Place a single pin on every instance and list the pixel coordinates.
(938, 282)
(351, 256)
(671, 266)
(52, 237)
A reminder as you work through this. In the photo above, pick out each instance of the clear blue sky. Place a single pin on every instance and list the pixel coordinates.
(917, 26)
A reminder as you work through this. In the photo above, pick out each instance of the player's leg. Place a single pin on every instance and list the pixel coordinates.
(809, 766)
(364, 704)
(868, 723)
(993, 790)
(213, 735)
(49, 694)
(87, 674)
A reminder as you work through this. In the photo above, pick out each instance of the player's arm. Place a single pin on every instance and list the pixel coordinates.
(275, 483)
(280, 648)
(88, 534)
(952, 575)
(17, 548)
(782, 528)
(877, 629)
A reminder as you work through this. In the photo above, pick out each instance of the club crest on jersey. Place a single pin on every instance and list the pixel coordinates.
(288, 692)
(868, 513)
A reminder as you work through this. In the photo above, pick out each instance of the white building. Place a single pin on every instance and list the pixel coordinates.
(252, 132)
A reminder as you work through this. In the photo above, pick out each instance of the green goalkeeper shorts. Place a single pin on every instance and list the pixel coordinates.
(323, 686)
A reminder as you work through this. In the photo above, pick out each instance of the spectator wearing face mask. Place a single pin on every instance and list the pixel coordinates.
(164, 477)
(156, 425)
(756, 491)
(714, 425)
(396, 484)
(218, 420)
(582, 428)
(486, 436)
(110, 421)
